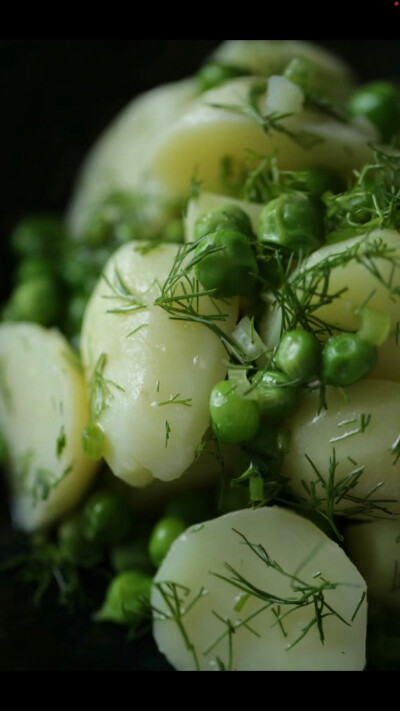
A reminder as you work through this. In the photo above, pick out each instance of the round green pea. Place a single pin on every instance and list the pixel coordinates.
(299, 355)
(107, 519)
(34, 301)
(165, 533)
(32, 267)
(228, 216)
(235, 419)
(276, 395)
(74, 546)
(215, 74)
(93, 441)
(38, 236)
(380, 103)
(127, 600)
(315, 182)
(226, 264)
(347, 359)
(291, 222)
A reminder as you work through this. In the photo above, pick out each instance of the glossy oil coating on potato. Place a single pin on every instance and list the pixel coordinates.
(150, 377)
(43, 410)
(268, 629)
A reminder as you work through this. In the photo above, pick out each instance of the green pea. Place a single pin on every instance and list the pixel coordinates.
(38, 237)
(226, 264)
(270, 442)
(215, 74)
(127, 600)
(132, 556)
(228, 216)
(34, 301)
(32, 267)
(81, 268)
(380, 103)
(276, 395)
(299, 355)
(165, 533)
(347, 359)
(107, 519)
(235, 418)
(93, 441)
(74, 546)
(291, 222)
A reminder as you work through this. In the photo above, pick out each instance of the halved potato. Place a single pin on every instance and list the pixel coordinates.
(43, 410)
(120, 159)
(375, 549)
(360, 432)
(260, 625)
(151, 376)
(197, 143)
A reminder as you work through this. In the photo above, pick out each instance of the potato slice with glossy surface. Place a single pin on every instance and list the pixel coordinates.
(198, 142)
(43, 410)
(360, 432)
(150, 376)
(296, 549)
(374, 549)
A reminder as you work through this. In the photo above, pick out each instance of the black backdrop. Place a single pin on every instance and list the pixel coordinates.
(57, 96)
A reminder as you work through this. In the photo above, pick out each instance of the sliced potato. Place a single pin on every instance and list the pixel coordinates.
(206, 202)
(150, 377)
(43, 410)
(330, 75)
(197, 143)
(374, 549)
(362, 430)
(120, 159)
(301, 550)
(352, 283)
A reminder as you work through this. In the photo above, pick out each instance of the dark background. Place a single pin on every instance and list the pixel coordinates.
(57, 96)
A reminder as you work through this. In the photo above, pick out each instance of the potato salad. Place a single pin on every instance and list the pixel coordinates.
(200, 370)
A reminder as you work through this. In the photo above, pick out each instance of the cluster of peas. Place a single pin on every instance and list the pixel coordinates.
(105, 528)
(227, 263)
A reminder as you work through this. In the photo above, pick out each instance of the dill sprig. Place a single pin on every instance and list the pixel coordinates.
(325, 495)
(177, 600)
(181, 297)
(120, 291)
(100, 389)
(305, 595)
(270, 123)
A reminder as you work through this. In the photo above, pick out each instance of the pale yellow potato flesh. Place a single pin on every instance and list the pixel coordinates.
(120, 159)
(362, 428)
(196, 144)
(43, 410)
(301, 550)
(330, 75)
(375, 549)
(158, 373)
(207, 202)
(355, 284)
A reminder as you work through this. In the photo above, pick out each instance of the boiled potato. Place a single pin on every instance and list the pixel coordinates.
(43, 410)
(362, 429)
(120, 159)
(302, 551)
(355, 283)
(150, 377)
(196, 144)
(206, 202)
(330, 75)
(375, 549)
